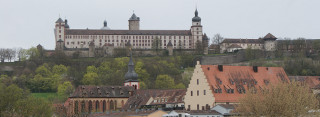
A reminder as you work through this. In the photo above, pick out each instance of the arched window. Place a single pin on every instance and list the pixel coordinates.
(83, 106)
(104, 106)
(76, 104)
(97, 106)
(122, 103)
(90, 106)
(111, 105)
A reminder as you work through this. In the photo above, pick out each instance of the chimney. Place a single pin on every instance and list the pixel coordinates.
(255, 68)
(220, 67)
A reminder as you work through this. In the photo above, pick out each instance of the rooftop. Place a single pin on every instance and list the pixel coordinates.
(229, 83)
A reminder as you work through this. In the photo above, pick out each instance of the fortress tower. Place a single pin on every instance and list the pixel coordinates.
(196, 29)
(134, 22)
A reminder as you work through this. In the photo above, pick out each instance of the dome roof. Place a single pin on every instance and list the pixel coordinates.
(131, 75)
(196, 18)
(105, 26)
(66, 23)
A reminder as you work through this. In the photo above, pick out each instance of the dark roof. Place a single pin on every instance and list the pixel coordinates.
(169, 43)
(235, 46)
(203, 112)
(87, 91)
(205, 37)
(66, 23)
(269, 36)
(134, 17)
(59, 20)
(196, 18)
(242, 41)
(131, 75)
(60, 40)
(126, 32)
(91, 43)
(141, 97)
(227, 106)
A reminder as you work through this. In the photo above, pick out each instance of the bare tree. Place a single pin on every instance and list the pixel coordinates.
(21, 54)
(282, 99)
(217, 39)
(11, 54)
(2, 54)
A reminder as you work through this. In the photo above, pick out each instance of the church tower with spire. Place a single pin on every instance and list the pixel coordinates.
(196, 29)
(131, 77)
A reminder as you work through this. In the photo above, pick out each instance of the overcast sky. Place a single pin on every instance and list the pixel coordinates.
(27, 23)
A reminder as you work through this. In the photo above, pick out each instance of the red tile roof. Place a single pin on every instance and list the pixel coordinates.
(240, 79)
(270, 36)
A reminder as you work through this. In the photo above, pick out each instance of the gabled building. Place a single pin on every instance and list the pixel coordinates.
(218, 84)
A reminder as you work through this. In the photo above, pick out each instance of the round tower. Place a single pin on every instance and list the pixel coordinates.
(134, 22)
(269, 42)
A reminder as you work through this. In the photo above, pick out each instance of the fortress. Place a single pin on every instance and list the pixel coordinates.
(90, 42)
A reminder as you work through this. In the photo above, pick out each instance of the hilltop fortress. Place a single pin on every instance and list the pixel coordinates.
(102, 42)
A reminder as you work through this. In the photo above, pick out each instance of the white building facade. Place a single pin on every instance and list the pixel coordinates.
(138, 39)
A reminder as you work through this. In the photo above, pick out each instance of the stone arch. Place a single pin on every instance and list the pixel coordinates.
(90, 106)
(104, 105)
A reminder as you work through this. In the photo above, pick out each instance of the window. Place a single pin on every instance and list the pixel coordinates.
(197, 81)
(197, 92)
(204, 92)
(191, 93)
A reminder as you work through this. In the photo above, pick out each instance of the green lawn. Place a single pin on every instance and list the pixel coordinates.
(46, 96)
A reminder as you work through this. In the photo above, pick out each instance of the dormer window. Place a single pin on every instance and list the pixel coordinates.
(155, 101)
(231, 81)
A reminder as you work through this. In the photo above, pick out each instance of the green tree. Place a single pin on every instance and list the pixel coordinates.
(199, 47)
(33, 53)
(164, 82)
(180, 86)
(90, 78)
(8, 97)
(283, 99)
(59, 69)
(33, 107)
(44, 70)
(65, 90)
